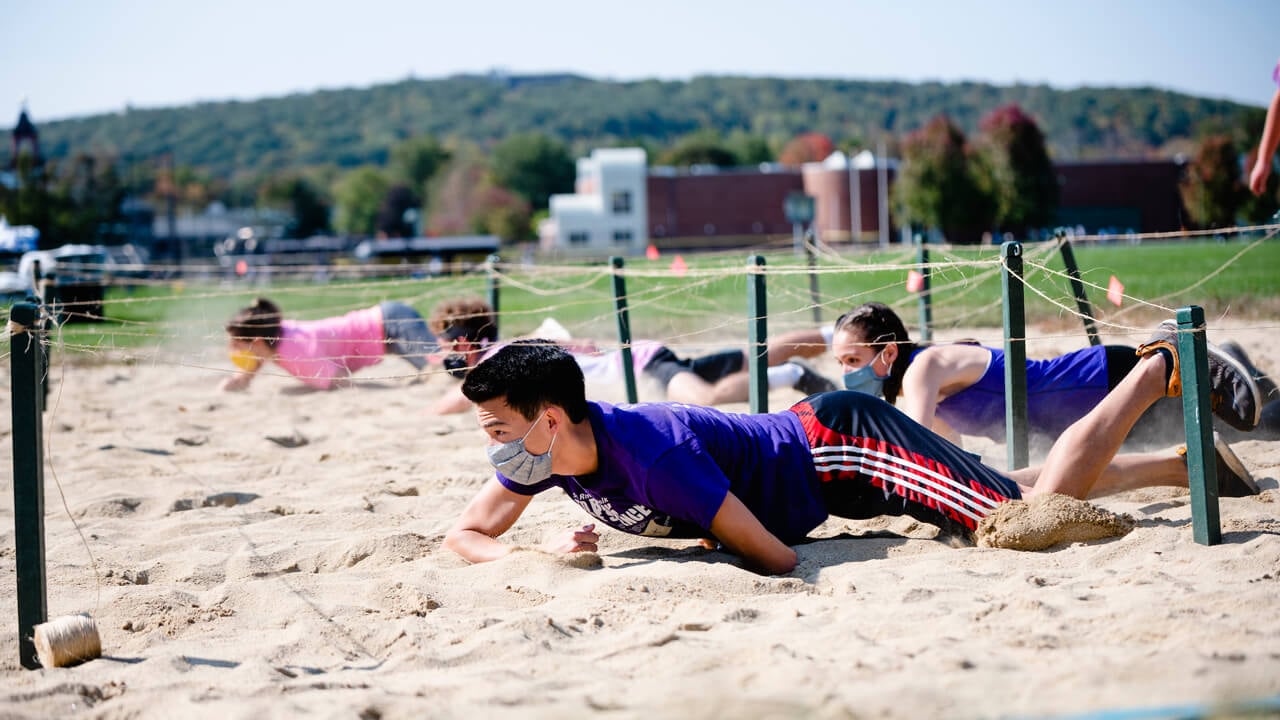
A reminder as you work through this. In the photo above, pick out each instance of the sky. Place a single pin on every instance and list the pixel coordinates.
(67, 58)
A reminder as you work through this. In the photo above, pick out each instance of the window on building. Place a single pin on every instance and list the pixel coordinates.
(580, 237)
(622, 237)
(622, 202)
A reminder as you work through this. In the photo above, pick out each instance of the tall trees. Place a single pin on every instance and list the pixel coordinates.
(940, 183)
(1003, 179)
(73, 202)
(704, 147)
(1212, 189)
(467, 199)
(534, 167)
(300, 197)
(806, 147)
(1023, 180)
(358, 196)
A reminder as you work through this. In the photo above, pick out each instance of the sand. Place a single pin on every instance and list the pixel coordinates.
(277, 553)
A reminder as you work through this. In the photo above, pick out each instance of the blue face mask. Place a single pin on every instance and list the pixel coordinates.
(865, 379)
(518, 464)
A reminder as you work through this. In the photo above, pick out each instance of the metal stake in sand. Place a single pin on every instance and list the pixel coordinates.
(926, 297)
(27, 360)
(65, 640)
(757, 336)
(1202, 472)
(1077, 288)
(1015, 355)
(494, 284)
(624, 327)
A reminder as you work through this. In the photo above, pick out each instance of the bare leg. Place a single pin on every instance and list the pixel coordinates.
(1125, 472)
(1080, 457)
(687, 387)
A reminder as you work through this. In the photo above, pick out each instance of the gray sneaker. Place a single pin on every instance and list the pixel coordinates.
(1233, 394)
(1234, 479)
(1266, 386)
(811, 382)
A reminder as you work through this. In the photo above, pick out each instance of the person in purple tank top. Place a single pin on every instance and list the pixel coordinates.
(757, 484)
(958, 389)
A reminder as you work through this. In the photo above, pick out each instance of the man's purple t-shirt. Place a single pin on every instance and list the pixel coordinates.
(665, 469)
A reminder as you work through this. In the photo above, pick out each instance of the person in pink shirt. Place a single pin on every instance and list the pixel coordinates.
(324, 353)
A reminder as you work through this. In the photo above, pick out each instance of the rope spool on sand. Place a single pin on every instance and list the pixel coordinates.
(67, 640)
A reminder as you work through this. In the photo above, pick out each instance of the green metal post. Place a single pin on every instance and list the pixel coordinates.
(926, 296)
(494, 284)
(1015, 355)
(1202, 472)
(1077, 287)
(757, 336)
(624, 327)
(27, 359)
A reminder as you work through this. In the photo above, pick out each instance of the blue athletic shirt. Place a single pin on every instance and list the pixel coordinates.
(1060, 391)
(665, 469)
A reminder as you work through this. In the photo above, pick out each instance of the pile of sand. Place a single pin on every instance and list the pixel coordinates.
(1043, 521)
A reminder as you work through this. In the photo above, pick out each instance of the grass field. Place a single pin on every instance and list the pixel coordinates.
(1239, 278)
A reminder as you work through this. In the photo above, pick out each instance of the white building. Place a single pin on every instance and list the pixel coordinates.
(608, 212)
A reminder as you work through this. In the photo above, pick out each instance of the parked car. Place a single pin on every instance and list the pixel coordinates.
(74, 279)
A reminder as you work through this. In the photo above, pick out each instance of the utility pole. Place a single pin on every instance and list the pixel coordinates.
(855, 201)
(882, 191)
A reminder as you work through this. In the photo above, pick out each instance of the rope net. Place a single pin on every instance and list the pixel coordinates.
(149, 315)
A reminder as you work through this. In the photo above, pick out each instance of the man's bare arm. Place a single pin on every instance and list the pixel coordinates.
(742, 533)
(489, 514)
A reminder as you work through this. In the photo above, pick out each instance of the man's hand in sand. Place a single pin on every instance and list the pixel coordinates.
(235, 383)
(583, 539)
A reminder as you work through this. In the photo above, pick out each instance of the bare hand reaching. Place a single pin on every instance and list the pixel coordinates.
(583, 539)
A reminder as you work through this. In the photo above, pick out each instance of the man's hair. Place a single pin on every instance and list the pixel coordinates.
(259, 321)
(530, 374)
(469, 318)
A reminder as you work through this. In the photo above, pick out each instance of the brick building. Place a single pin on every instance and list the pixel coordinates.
(621, 205)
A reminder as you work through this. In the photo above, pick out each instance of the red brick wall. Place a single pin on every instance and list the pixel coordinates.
(731, 203)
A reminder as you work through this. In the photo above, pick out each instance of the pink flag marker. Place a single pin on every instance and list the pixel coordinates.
(1115, 291)
(915, 281)
(651, 252)
(678, 267)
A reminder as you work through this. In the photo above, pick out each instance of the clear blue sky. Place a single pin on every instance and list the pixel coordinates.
(79, 57)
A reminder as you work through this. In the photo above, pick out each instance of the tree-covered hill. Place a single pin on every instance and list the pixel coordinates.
(351, 127)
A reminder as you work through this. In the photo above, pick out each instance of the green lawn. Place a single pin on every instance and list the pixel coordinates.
(709, 300)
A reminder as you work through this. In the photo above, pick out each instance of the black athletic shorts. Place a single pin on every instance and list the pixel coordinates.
(874, 460)
(666, 365)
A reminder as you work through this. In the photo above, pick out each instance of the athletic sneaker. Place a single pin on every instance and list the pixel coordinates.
(1234, 479)
(1266, 386)
(811, 382)
(1233, 394)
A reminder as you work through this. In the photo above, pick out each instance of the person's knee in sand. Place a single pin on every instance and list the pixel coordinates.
(758, 483)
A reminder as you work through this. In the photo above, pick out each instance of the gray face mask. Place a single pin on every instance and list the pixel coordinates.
(520, 465)
(865, 379)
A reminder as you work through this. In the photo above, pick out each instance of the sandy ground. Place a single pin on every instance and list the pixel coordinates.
(276, 553)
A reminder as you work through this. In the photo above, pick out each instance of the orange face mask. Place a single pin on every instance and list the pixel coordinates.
(245, 360)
